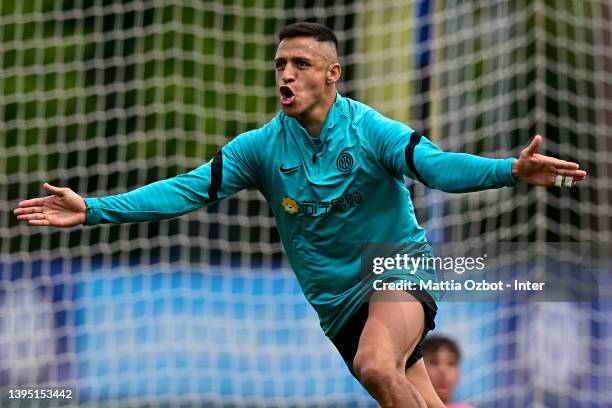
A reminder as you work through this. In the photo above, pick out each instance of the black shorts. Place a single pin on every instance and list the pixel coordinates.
(347, 339)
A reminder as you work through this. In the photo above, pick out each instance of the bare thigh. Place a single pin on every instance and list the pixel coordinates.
(394, 327)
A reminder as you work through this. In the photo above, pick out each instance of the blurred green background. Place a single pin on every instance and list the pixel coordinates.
(83, 77)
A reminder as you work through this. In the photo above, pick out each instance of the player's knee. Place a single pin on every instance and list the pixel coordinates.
(374, 371)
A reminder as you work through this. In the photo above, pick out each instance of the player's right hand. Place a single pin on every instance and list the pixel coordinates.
(63, 208)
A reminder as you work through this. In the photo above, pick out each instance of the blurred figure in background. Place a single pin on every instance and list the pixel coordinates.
(442, 356)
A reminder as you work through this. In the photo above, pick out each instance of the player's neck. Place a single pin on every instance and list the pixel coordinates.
(314, 119)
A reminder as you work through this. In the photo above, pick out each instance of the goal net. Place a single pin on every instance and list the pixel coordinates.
(105, 96)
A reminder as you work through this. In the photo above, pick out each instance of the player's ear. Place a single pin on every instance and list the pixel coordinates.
(333, 73)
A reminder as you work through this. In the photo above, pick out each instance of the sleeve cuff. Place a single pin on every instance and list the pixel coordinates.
(93, 214)
(510, 179)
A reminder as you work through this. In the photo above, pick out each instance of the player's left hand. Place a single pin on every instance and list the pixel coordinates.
(540, 170)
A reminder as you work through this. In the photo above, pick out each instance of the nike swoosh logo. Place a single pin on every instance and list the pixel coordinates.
(289, 169)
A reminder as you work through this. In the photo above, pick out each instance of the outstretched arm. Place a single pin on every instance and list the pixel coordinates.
(232, 169)
(160, 200)
(405, 152)
(460, 172)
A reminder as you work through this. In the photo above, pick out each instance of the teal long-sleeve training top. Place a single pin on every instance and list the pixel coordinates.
(328, 199)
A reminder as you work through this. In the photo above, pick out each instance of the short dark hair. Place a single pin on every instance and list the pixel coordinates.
(306, 29)
(432, 344)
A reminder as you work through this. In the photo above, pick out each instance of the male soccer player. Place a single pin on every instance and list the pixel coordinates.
(442, 356)
(331, 169)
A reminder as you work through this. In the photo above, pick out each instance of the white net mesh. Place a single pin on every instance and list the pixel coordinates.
(104, 96)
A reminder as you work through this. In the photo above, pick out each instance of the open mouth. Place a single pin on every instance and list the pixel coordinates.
(287, 95)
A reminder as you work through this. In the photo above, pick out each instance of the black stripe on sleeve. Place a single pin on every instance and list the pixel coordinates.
(409, 154)
(216, 176)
